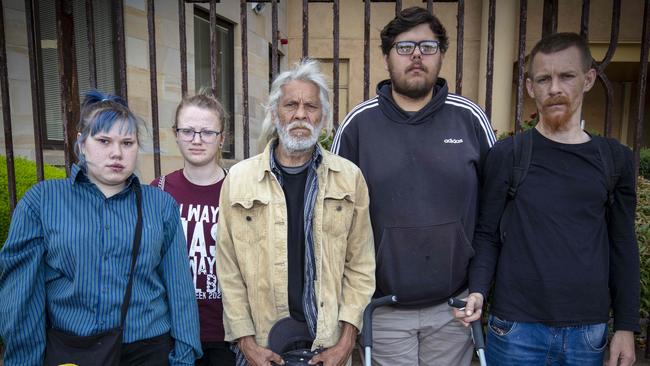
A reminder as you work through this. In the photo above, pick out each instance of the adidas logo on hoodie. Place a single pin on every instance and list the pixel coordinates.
(453, 141)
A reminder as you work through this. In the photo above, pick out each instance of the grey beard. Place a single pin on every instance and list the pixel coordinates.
(296, 144)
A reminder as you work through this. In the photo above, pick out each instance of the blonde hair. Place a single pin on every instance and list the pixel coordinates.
(204, 100)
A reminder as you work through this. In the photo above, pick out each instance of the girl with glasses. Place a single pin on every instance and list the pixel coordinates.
(199, 130)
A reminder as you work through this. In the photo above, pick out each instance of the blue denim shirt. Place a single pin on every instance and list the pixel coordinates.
(66, 264)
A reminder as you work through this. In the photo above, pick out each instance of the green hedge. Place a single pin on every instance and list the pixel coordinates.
(643, 237)
(25, 178)
(644, 163)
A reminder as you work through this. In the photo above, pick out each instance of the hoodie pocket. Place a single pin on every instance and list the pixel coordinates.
(423, 265)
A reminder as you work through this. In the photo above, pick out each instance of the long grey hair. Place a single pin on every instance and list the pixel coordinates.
(306, 70)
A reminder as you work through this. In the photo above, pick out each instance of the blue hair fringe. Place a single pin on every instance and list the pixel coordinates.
(95, 96)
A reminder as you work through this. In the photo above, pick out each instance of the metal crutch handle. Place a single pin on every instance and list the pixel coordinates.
(477, 330)
(366, 333)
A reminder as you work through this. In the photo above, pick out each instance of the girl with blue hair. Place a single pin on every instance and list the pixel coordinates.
(98, 257)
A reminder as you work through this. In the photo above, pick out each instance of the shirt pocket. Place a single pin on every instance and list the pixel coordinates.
(249, 227)
(338, 209)
(152, 243)
(248, 220)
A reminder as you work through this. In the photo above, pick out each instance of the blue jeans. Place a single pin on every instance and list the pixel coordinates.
(514, 343)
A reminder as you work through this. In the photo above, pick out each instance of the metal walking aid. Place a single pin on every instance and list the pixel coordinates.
(477, 331)
(366, 333)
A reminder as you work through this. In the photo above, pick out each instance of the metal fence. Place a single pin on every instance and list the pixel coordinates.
(69, 89)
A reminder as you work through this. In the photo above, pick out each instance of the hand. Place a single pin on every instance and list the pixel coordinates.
(340, 353)
(621, 349)
(256, 355)
(472, 310)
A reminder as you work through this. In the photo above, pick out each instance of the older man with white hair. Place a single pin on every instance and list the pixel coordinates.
(295, 241)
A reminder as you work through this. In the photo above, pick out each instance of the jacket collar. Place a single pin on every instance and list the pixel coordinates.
(267, 159)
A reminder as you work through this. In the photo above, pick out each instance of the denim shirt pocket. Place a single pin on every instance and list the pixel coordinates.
(338, 208)
(249, 230)
(248, 220)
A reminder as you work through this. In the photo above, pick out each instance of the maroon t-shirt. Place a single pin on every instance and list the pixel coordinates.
(199, 208)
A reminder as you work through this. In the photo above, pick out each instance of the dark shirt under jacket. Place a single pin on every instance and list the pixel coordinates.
(293, 185)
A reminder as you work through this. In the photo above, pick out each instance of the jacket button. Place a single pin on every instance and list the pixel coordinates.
(248, 218)
(322, 304)
(338, 208)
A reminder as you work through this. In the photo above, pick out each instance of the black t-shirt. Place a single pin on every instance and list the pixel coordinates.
(294, 180)
(557, 264)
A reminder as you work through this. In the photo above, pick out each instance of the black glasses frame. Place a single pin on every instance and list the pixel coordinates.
(418, 45)
(194, 132)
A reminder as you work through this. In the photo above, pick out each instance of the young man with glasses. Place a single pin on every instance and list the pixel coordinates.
(199, 130)
(420, 149)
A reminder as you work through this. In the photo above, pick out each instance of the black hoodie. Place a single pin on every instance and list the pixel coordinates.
(422, 170)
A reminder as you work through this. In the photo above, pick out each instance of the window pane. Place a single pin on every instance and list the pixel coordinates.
(201, 52)
(50, 71)
(104, 55)
(225, 71)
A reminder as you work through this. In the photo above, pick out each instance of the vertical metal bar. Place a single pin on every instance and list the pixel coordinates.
(244, 65)
(584, 20)
(490, 59)
(613, 38)
(90, 34)
(335, 66)
(34, 36)
(609, 99)
(521, 63)
(641, 95)
(6, 115)
(120, 46)
(430, 6)
(68, 81)
(398, 7)
(366, 49)
(151, 29)
(274, 39)
(214, 51)
(609, 89)
(183, 45)
(460, 35)
(549, 17)
(305, 28)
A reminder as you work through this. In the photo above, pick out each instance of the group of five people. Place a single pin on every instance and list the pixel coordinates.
(416, 199)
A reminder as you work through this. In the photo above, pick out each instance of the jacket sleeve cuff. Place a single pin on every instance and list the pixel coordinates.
(183, 354)
(481, 290)
(351, 314)
(239, 328)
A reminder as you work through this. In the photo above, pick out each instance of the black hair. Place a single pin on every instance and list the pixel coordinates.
(410, 18)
